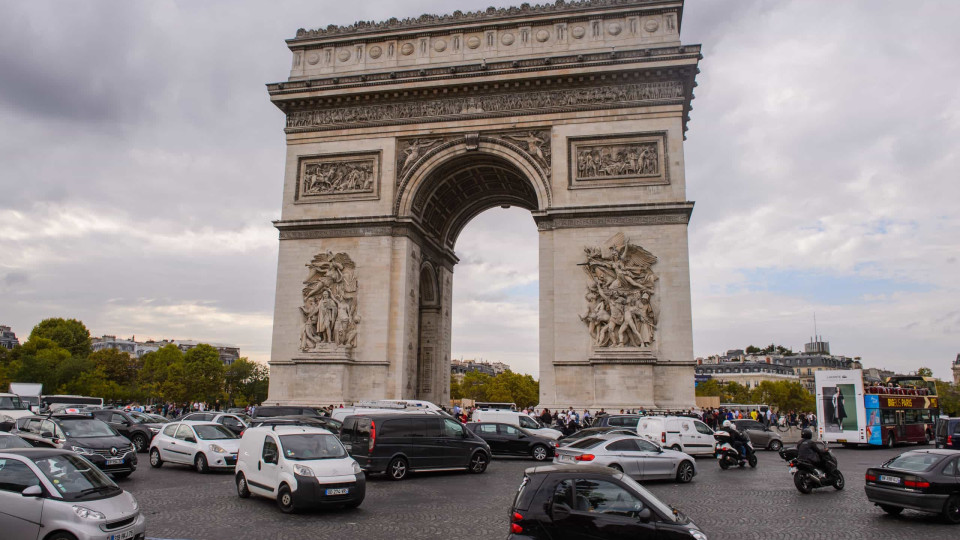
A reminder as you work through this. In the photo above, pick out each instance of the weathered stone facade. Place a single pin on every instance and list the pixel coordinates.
(399, 133)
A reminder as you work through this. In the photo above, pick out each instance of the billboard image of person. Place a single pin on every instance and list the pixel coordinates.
(839, 394)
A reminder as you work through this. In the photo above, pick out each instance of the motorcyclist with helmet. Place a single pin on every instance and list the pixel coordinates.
(808, 450)
(737, 439)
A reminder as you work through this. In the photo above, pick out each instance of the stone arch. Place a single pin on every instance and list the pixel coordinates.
(487, 172)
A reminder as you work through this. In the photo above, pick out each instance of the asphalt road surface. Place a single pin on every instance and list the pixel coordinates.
(734, 504)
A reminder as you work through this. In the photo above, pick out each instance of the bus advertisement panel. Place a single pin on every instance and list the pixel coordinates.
(840, 406)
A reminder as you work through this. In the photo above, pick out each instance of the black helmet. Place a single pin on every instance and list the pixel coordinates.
(806, 433)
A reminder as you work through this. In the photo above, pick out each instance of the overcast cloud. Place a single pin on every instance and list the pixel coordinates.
(141, 164)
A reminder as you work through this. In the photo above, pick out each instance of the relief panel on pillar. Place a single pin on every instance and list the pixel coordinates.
(338, 177)
(614, 161)
(329, 317)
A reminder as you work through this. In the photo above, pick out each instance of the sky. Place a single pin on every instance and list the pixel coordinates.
(141, 165)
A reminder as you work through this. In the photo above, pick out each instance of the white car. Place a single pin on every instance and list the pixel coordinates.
(204, 445)
(12, 408)
(299, 467)
(678, 433)
(516, 418)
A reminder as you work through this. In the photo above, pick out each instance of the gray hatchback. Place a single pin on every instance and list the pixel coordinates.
(54, 494)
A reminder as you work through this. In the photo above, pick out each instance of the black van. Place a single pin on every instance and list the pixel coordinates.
(948, 433)
(397, 444)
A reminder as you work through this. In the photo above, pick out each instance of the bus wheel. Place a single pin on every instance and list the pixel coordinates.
(890, 441)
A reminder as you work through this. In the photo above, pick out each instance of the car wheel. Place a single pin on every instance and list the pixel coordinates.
(677, 448)
(478, 463)
(951, 510)
(243, 491)
(285, 499)
(121, 475)
(539, 452)
(616, 467)
(892, 510)
(140, 442)
(397, 469)
(155, 460)
(839, 481)
(775, 445)
(61, 536)
(685, 472)
(200, 464)
(891, 441)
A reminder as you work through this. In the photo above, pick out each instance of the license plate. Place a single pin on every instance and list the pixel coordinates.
(115, 462)
(793, 470)
(890, 479)
(338, 491)
(124, 535)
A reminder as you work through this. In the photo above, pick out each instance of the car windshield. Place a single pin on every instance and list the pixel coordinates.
(75, 478)
(12, 441)
(157, 419)
(214, 432)
(306, 446)
(589, 442)
(11, 403)
(919, 462)
(667, 511)
(242, 416)
(141, 418)
(79, 428)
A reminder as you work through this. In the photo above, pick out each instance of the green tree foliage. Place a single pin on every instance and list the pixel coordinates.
(949, 395)
(781, 395)
(69, 334)
(246, 382)
(751, 349)
(709, 387)
(507, 387)
(38, 361)
(925, 372)
(117, 366)
(203, 373)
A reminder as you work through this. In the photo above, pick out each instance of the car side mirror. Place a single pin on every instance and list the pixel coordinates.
(191, 440)
(559, 511)
(47, 435)
(32, 491)
(645, 515)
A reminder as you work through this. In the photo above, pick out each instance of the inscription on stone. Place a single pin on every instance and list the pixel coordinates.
(338, 177)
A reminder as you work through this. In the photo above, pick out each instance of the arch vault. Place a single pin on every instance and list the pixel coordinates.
(399, 133)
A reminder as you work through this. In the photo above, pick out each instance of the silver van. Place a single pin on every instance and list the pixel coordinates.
(55, 494)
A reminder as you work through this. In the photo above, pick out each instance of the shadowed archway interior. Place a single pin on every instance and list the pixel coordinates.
(466, 186)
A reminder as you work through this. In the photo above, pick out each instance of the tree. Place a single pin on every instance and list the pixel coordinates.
(949, 397)
(116, 366)
(203, 373)
(733, 392)
(235, 376)
(709, 387)
(751, 349)
(925, 372)
(455, 391)
(37, 361)
(474, 385)
(69, 334)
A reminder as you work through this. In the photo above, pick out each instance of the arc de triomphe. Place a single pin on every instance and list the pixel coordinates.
(400, 132)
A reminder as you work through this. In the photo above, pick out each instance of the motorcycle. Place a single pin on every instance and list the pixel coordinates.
(807, 476)
(728, 456)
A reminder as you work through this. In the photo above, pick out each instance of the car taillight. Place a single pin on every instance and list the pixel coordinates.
(663, 437)
(373, 435)
(949, 440)
(870, 478)
(917, 484)
(515, 527)
(584, 457)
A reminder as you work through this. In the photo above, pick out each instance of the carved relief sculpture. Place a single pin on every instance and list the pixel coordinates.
(621, 295)
(329, 311)
(338, 177)
(618, 161)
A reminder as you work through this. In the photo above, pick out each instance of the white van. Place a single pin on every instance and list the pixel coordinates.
(299, 467)
(388, 406)
(679, 433)
(516, 418)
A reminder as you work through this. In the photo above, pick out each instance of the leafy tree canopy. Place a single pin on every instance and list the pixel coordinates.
(69, 334)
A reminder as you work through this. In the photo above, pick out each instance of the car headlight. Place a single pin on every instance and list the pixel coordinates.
(698, 535)
(5, 418)
(302, 470)
(154, 430)
(218, 449)
(87, 513)
(356, 468)
(82, 450)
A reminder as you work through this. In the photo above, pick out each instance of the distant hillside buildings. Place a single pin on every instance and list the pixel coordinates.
(459, 368)
(8, 339)
(228, 353)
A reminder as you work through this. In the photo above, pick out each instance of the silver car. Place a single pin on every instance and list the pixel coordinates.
(53, 493)
(637, 457)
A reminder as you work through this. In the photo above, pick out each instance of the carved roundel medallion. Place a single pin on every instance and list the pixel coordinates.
(507, 39)
(614, 29)
(578, 32)
(473, 42)
(407, 49)
(651, 25)
(439, 45)
(313, 59)
(343, 55)
(375, 52)
(543, 36)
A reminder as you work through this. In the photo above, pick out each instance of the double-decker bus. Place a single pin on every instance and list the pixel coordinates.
(853, 411)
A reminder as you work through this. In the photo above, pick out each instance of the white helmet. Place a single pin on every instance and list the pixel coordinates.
(727, 423)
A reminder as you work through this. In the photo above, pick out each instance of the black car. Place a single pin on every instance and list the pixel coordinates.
(508, 440)
(93, 439)
(323, 422)
(398, 443)
(921, 480)
(136, 429)
(594, 431)
(625, 421)
(267, 411)
(557, 502)
(947, 433)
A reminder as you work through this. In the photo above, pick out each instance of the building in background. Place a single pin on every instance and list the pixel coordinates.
(956, 370)
(459, 368)
(128, 346)
(749, 374)
(228, 353)
(8, 339)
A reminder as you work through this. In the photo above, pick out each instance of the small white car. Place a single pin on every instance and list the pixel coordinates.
(678, 433)
(204, 445)
(516, 418)
(299, 467)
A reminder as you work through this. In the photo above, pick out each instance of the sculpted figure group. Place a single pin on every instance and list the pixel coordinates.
(325, 178)
(329, 310)
(617, 160)
(619, 295)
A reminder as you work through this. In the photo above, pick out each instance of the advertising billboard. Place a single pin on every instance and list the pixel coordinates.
(840, 406)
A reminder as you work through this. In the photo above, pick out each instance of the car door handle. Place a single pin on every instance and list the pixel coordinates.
(259, 465)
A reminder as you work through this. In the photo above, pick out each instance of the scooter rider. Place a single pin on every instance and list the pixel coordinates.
(808, 450)
(737, 440)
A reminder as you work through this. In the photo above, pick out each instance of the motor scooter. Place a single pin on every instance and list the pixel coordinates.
(728, 456)
(807, 476)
